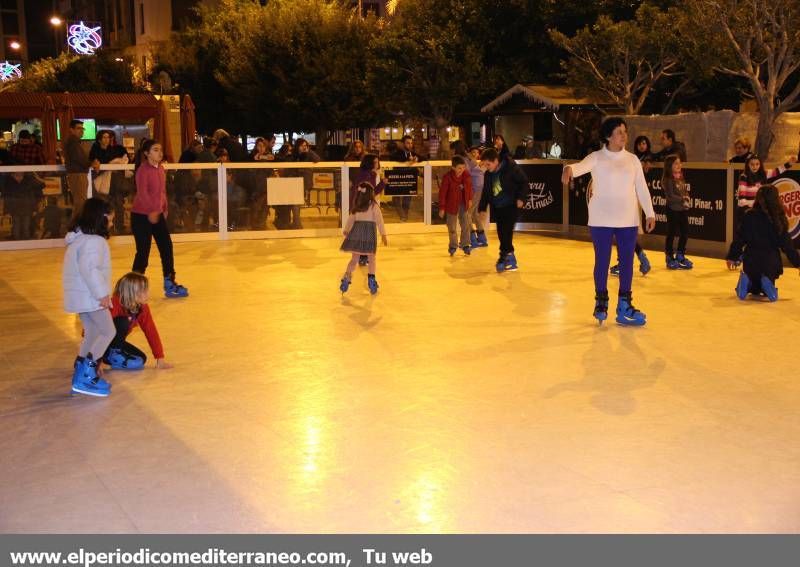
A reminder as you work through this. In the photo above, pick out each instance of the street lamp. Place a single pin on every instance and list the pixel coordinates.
(15, 45)
(56, 22)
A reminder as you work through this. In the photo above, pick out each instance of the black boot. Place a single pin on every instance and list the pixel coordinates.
(601, 306)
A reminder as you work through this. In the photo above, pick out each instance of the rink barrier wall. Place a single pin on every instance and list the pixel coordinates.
(552, 209)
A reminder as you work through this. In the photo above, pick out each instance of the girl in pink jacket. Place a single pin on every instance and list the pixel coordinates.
(149, 215)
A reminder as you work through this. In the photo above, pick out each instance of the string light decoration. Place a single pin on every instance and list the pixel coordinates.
(83, 39)
(9, 71)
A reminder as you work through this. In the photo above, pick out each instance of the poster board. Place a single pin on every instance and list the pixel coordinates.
(285, 191)
(322, 180)
(52, 185)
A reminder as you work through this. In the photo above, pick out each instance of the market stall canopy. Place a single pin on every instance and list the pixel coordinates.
(188, 122)
(551, 97)
(49, 131)
(161, 130)
(103, 106)
(108, 106)
(66, 112)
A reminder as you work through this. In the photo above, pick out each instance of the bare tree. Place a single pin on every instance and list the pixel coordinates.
(761, 40)
(624, 61)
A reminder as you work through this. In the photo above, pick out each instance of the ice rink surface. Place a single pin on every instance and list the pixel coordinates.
(455, 400)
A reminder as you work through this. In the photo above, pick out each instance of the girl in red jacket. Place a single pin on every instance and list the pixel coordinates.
(128, 309)
(455, 198)
(149, 215)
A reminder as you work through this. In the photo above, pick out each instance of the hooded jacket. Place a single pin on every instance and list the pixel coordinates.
(87, 272)
(455, 191)
(504, 187)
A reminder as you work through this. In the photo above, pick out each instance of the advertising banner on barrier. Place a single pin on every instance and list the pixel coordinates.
(578, 201)
(402, 181)
(707, 190)
(545, 200)
(788, 184)
(52, 185)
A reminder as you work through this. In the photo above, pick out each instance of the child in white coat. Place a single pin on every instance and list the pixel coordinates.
(87, 292)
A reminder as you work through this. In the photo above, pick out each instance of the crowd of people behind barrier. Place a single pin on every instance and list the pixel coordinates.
(193, 193)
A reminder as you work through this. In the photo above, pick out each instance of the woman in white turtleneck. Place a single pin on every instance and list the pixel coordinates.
(617, 183)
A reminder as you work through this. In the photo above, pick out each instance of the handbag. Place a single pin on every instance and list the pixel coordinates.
(102, 183)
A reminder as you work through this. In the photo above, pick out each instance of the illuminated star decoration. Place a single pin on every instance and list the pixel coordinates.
(9, 71)
(83, 39)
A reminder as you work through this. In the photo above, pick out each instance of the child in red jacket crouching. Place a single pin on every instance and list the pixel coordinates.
(128, 309)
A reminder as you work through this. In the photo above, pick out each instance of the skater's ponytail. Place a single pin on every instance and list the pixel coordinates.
(767, 200)
(365, 196)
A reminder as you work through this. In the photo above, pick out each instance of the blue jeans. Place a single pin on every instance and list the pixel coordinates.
(602, 238)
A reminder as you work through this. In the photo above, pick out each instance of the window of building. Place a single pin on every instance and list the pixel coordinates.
(130, 27)
(368, 7)
(141, 18)
(10, 24)
(8, 4)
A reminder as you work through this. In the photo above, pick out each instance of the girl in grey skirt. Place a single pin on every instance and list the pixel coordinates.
(360, 234)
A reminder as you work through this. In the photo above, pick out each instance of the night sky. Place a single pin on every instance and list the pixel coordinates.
(41, 41)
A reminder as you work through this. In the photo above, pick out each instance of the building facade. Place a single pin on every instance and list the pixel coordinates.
(371, 7)
(13, 31)
(134, 27)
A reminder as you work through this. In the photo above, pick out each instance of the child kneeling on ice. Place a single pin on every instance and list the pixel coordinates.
(128, 309)
(761, 236)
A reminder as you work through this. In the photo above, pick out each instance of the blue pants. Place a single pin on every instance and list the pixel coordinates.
(602, 238)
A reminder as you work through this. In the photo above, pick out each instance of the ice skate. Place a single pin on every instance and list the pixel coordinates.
(627, 314)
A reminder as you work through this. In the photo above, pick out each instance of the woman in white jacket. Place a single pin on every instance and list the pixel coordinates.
(618, 182)
(87, 292)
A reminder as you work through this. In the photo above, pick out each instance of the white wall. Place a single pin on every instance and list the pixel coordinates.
(709, 136)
